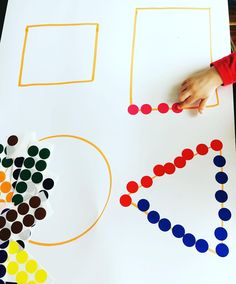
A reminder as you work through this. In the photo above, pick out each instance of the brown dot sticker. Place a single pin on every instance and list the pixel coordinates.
(2, 222)
(40, 213)
(23, 208)
(11, 215)
(5, 234)
(35, 202)
(28, 220)
(16, 227)
(12, 140)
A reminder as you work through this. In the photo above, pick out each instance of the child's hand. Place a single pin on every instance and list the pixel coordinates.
(199, 88)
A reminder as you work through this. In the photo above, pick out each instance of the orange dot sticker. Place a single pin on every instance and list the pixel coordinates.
(2, 176)
(9, 197)
(5, 187)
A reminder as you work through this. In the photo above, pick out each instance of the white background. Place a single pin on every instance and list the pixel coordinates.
(123, 248)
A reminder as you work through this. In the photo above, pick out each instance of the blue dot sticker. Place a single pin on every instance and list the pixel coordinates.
(224, 214)
(164, 225)
(4, 245)
(222, 250)
(202, 246)
(189, 240)
(221, 177)
(2, 271)
(143, 205)
(178, 231)
(221, 234)
(221, 196)
(3, 256)
(219, 161)
(153, 217)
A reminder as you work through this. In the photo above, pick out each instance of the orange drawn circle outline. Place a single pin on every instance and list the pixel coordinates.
(108, 198)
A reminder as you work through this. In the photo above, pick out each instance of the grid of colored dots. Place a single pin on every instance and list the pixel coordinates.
(178, 231)
(30, 170)
(15, 222)
(147, 108)
(10, 224)
(22, 267)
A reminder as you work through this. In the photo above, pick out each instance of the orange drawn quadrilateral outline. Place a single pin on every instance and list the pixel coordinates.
(142, 35)
(30, 58)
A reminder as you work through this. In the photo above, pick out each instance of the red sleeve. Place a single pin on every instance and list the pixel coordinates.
(226, 67)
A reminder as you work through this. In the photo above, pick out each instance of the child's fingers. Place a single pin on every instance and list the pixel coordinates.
(185, 83)
(183, 89)
(184, 95)
(188, 102)
(202, 105)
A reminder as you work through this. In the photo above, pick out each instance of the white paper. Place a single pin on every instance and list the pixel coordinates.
(122, 247)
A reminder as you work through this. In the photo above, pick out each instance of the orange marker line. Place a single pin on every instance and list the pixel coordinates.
(105, 206)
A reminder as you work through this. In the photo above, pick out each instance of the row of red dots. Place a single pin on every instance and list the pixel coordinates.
(146, 108)
(168, 168)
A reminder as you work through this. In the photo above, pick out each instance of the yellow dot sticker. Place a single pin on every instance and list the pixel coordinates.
(22, 277)
(31, 266)
(13, 247)
(12, 268)
(22, 256)
(41, 276)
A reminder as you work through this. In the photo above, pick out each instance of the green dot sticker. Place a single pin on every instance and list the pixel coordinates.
(25, 175)
(41, 165)
(1, 148)
(37, 177)
(17, 199)
(29, 163)
(21, 187)
(44, 153)
(33, 151)
(7, 163)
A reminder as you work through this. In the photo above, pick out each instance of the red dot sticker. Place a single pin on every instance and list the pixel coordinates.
(125, 200)
(163, 108)
(146, 109)
(180, 162)
(159, 170)
(202, 149)
(132, 187)
(169, 168)
(216, 145)
(133, 109)
(187, 154)
(146, 181)
(175, 108)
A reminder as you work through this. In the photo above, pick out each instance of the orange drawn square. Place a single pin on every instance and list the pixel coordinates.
(70, 31)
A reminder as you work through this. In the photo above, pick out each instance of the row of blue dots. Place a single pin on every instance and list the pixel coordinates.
(179, 232)
(221, 196)
(3, 258)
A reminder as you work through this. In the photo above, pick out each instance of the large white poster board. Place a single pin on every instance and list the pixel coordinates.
(143, 193)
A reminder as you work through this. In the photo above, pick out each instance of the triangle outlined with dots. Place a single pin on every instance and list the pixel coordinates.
(178, 231)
